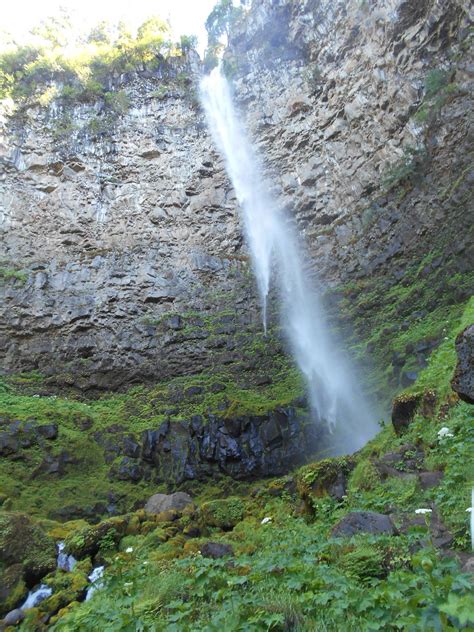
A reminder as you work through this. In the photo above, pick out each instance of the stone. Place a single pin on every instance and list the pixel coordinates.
(14, 617)
(162, 502)
(403, 410)
(216, 550)
(364, 522)
(13, 589)
(463, 379)
(24, 542)
(428, 480)
(224, 513)
(48, 431)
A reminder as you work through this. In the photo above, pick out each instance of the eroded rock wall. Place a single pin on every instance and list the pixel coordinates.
(331, 91)
(110, 221)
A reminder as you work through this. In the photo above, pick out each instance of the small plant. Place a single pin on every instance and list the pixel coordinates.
(406, 170)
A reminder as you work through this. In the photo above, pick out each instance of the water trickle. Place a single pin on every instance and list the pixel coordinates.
(35, 597)
(334, 395)
(65, 562)
(94, 578)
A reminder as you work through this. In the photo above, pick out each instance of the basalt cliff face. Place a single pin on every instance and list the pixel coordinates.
(120, 232)
(370, 157)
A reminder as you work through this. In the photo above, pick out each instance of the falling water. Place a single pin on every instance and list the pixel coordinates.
(333, 393)
(35, 597)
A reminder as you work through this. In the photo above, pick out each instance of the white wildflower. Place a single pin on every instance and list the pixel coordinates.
(469, 509)
(266, 520)
(423, 510)
(129, 549)
(145, 563)
(444, 432)
(128, 584)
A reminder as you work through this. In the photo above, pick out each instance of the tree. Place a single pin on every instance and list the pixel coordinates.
(220, 20)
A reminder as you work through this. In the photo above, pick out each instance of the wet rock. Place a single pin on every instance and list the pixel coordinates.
(12, 587)
(364, 522)
(463, 380)
(162, 502)
(14, 617)
(216, 550)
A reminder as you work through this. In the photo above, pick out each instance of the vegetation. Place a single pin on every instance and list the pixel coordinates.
(52, 65)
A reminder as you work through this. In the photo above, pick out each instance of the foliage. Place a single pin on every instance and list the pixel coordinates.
(221, 19)
(439, 89)
(407, 169)
(83, 71)
(8, 274)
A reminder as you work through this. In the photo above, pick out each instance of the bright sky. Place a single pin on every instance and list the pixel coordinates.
(187, 17)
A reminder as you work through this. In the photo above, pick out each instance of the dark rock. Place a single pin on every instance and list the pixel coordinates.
(23, 542)
(408, 378)
(128, 470)
(193, 390)
(13, 589)
(403, 410)
(430, 479)
(364, 522)
(215, 550)
(14, 617)
(162, 502)
(8, 444)
(463, 379)
(48, 431)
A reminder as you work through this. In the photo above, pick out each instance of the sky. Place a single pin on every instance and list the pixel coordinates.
(187, 17)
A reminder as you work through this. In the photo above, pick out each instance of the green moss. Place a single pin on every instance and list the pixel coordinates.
(364, 477)
(223, 514)
(23, 542)
(13, 274)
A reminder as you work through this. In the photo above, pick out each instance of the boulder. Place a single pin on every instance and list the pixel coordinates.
(12, 588)
(162, 502)
(364, 522)
(23, 542)
(216, 550)
(463, 379)
(14, 617)
(224, 513)
(403, 410)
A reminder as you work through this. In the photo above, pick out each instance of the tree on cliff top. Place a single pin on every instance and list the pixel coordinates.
(220, 20)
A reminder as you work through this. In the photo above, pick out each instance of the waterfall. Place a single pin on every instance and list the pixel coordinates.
(334, 396)
(35, 597)
(65, 562)
(94, 579)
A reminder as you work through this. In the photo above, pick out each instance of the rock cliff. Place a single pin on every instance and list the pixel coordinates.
(121, 237)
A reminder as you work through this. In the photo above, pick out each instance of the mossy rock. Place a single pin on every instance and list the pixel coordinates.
(324, 478)
(224, 513)
(87, 542)
(364, 477)
(23, 542)
(13, 589)
(67, 588)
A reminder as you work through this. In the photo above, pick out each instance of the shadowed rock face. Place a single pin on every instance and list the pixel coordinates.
(243, 448)
(463, 380)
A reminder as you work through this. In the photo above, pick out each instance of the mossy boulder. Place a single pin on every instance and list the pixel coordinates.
(88, 541)
(324, 478)
(24, 542)
(224, 513)
(13, 588)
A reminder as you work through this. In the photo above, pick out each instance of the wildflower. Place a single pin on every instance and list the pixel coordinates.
(423, 510)
(469, 509)
(444, 432)
(128, 584)
(129, 549)
(266, 520)
(145, 563)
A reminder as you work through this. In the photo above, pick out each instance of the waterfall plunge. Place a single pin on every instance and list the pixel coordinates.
(333, 393)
